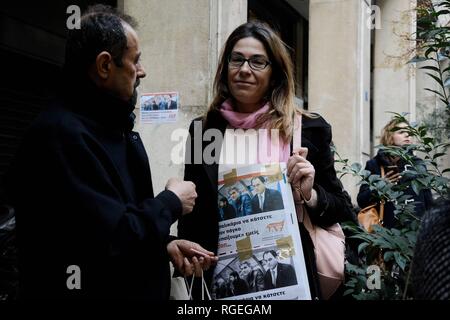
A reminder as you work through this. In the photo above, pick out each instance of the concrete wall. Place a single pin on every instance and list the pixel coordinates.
(174, 40)
(339, 75)
(394, 81)
(180, 41)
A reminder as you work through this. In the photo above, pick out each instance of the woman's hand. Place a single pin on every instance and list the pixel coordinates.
(301, 173)
(392, 176)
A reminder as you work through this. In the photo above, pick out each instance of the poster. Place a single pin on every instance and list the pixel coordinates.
(260, 251)
(161, 107)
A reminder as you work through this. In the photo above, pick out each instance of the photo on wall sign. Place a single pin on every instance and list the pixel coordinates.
(159, 107)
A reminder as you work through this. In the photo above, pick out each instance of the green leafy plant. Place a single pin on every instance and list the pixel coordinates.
(433, 47)
(391, 250)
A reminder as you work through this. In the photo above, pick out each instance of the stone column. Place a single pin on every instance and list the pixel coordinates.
(339, 75)
(394, 81)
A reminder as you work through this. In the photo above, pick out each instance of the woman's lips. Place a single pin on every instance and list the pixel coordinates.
(243, 83)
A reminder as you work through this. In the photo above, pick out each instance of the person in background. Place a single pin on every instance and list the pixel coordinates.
(237, 286)
(253, 276)
(394, 168)
(241, 202)
(227, 211)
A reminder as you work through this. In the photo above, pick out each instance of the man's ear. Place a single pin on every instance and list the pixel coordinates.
(103, 64)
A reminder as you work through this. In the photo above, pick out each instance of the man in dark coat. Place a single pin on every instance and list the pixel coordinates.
(265, 199)
(88, 223)
(279, 274)
(226, 210)
(241, 202)
(253, 277)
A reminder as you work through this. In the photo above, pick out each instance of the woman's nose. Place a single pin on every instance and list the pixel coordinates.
(245, 68)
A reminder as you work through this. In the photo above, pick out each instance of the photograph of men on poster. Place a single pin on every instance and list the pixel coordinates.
(253, 195)
(235, 201)
(278, 274)
(265, 199)
(235, 277)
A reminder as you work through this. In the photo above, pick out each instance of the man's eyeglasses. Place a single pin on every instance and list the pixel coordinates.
(256, 63)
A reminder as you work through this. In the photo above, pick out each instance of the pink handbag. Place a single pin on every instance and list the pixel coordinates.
(329, 243)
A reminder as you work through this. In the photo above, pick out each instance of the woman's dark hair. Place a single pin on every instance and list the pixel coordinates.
(101, 29)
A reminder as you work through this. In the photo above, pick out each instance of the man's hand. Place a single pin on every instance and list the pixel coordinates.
(185, 191)
(189, 257)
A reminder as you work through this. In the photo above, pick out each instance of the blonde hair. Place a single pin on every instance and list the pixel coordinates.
(282, 89)
(387, 133)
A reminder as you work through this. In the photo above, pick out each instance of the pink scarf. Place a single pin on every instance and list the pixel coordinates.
(240, 120)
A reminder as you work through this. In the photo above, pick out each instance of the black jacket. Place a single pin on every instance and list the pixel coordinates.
(82, 191)
(334, 204)
(422, 201)
(272, 201)
(285, 277)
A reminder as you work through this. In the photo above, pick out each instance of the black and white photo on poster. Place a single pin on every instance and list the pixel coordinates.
(260, 250)
(257, 276)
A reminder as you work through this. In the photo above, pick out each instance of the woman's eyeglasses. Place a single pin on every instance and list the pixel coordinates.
(256, 62)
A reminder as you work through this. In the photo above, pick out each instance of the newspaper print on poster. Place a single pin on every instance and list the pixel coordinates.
(260, 250)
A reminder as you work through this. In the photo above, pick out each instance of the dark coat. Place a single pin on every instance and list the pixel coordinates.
(255, 280)
(242, 205)
(272, 201)
(227, 212)
(422, 201)
(285, 277)
(334, 204)
(238, 287)
(83, 195)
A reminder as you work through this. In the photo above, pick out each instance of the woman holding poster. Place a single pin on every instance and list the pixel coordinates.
(254, 94)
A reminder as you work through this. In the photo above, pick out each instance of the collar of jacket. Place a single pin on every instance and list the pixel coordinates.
(84, 97)
(383, 159)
